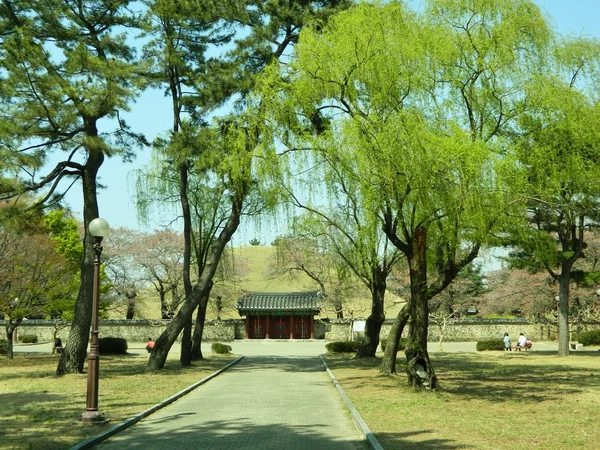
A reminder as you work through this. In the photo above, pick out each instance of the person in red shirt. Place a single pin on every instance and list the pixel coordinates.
(150, 345)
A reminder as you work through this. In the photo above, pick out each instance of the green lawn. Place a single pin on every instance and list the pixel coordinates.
(488, 400)
(39, 410)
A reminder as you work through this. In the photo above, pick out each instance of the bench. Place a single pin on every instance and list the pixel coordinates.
(528, 345)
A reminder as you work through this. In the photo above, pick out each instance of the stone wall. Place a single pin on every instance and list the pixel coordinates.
(459, 331)
(131, 330)
(330, 330)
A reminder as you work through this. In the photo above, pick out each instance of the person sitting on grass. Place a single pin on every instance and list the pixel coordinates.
(150, 345)
(507, 345)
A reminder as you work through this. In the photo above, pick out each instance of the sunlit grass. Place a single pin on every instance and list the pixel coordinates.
(39, 410)
(485, 401)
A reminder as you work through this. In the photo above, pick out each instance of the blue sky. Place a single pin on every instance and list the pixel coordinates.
(151, 115)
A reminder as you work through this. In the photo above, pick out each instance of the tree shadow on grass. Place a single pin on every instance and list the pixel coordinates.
(20, 401)
(471, 376)
(50, 417)
(497, 380)
(406, 441)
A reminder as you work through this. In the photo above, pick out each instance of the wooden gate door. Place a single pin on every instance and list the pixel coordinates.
(258, 329)
(301, 325)
(280, 327)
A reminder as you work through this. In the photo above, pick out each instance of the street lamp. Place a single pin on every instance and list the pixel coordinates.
(98, 228)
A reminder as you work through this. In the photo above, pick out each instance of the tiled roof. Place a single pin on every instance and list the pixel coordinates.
(279, 302)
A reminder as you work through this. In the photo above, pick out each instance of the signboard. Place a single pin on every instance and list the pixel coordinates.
(358, 326)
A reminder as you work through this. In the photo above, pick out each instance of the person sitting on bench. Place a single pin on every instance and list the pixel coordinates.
(58, 347)
(523, 342)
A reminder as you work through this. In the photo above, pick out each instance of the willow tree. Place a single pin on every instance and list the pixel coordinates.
(182, 36)
(560, 148)
(66, 69)
(420, 103)
(349, 226)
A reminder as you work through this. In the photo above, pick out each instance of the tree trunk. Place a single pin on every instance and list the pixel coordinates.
(373, 326)
(164, 306)
(219, 306)
(199, 330)
(10, 329)
(130, 309)
(419, 368)
(388, 364)
(339, 308)
(202, 287)
(73, 357)
(185, 358)
(563, 310)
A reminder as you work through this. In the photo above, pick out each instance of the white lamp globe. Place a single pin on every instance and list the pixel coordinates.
(98, 227)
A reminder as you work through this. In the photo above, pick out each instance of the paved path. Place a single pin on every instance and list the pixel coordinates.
(278, 397)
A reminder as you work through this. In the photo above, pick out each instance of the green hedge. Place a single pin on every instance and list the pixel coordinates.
(492, 344)
(112, 346)
(3, 347)
(401, 344)
(343, 346)
(221, 349)
(28, 338)
(591, 337)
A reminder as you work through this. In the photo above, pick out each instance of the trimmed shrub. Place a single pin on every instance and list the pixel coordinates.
(28, 338)
(3, 347)
(591, 337)
(343, 346)
(112, 346)
(492, 344)
(221, 349)
(401, 344)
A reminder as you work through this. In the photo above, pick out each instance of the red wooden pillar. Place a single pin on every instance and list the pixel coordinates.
(268, 320)
(311, 323)
(291, 327)
(248, 327)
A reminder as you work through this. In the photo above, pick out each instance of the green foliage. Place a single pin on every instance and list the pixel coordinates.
(221, 349)
(591, 337)
(401, 344)
(492, 344)
(254, 241)
(588, 279)
(420, 152)
(28, 338)
(3, 347)
(112, 346)
(64, 230)
(343, 346)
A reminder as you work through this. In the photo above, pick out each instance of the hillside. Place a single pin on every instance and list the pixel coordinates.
(254, 273)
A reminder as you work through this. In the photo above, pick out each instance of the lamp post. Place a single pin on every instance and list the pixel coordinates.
(98, 228)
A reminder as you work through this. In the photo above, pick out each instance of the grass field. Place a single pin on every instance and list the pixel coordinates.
(488, 400)
(39, 410)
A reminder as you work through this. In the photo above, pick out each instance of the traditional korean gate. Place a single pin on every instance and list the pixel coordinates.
(302, 327)
(279, 327)
(258, 328)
